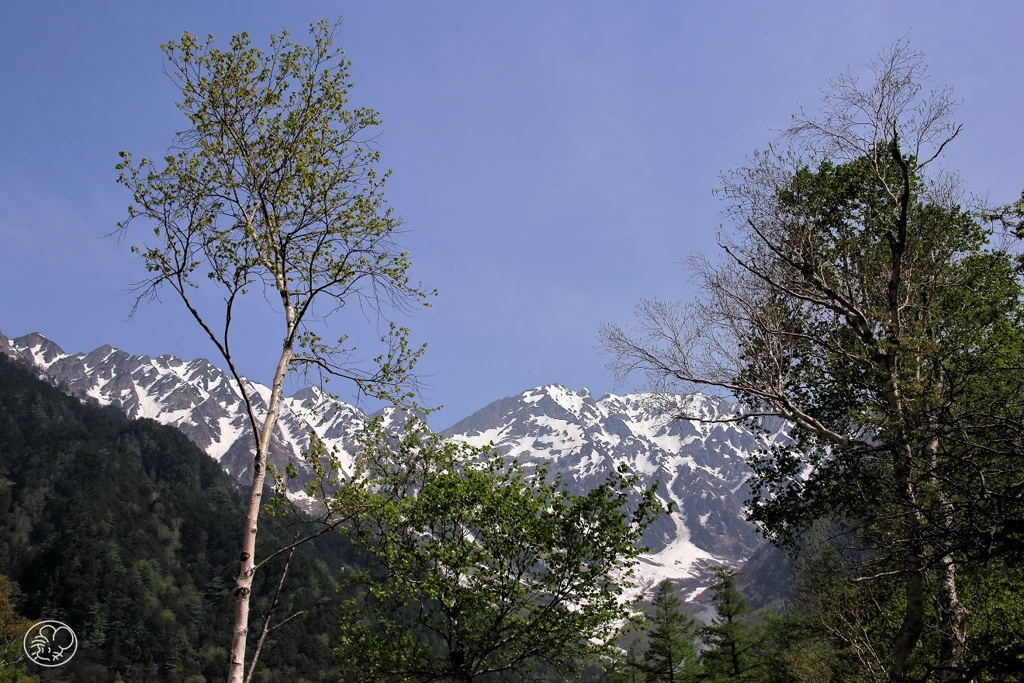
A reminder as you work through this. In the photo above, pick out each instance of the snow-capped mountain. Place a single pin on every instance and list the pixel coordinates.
(194, 396)
(701, 465)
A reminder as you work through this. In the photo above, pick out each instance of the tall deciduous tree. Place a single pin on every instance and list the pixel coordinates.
(481, 569)
(857, 299)
(272, 189)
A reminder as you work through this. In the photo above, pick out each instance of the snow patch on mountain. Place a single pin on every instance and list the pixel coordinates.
(701, 466)
(197, 398)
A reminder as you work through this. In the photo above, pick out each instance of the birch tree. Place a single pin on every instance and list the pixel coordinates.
(272, 189)
(857, 299)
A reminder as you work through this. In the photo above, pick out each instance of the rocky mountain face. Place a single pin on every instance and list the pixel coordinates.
(194, 396)
(701, 465)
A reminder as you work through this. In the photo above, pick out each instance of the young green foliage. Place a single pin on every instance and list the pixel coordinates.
(482, 569)
(273, 189)
(13, 627)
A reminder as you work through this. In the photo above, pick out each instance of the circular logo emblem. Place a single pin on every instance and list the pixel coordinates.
(50, 643)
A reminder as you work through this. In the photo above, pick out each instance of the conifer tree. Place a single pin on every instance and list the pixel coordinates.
(732, 643)
(628, 669)
(670, 655)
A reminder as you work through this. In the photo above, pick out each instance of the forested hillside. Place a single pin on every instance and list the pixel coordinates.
(127, 532)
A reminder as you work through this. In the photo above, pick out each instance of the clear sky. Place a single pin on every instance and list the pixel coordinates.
(552, 160)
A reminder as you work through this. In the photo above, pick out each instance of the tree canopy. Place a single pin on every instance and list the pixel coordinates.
(482, 569)
(859, 300)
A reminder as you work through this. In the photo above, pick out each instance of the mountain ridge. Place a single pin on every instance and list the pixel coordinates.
(701, 465)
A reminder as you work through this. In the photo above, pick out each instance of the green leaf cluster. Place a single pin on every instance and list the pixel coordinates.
(481, 570)
(274, 186)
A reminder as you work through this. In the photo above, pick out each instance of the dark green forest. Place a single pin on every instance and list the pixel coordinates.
(128, 533)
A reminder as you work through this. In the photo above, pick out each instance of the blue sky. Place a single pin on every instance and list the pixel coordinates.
(552, 160)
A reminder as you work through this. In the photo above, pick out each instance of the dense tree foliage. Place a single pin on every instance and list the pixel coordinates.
(125, 531)
(483, 570)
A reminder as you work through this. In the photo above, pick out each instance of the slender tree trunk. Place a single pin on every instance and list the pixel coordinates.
(953, 623)
(913, 613)
(953, 616)
(243, 583)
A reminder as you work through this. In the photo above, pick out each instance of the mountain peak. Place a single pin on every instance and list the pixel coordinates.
(37, 349)
(702, 467)
(572, 401)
